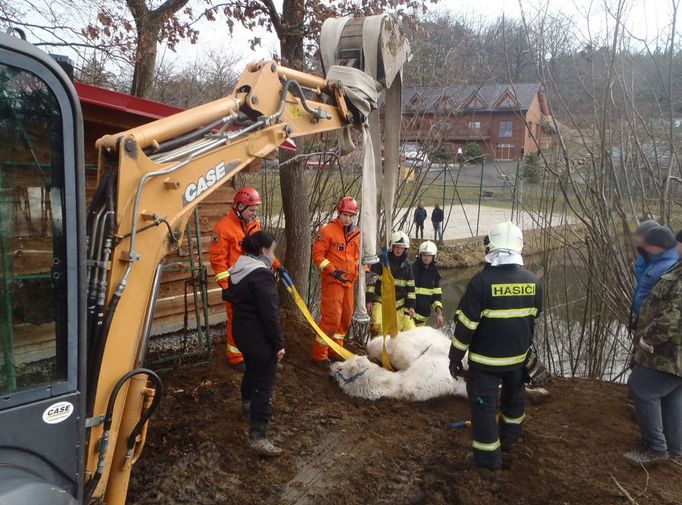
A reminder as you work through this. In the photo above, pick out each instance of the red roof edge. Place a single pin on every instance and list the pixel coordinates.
(120, 101)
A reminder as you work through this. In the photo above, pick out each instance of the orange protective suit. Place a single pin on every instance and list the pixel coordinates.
(336, 248)
(227, 236)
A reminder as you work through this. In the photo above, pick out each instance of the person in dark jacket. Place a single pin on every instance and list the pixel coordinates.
(419, 218)
(427, 285)
(495, 322)
(661, 248)
(437, 218)
(257, 332)
(405, 297)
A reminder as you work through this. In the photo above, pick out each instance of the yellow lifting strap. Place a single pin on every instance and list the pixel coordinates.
(385, 360)
(389, 315)
(291, 288)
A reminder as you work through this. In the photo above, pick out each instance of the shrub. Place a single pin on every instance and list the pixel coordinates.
(442, 153)
(531, 171)
(473, 152)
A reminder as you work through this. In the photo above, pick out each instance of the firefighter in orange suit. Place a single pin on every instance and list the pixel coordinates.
(226, 248)
(336, 253)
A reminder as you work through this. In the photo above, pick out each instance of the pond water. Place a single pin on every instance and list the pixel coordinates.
(570, 343)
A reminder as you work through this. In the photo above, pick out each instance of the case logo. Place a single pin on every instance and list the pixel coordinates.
(212, 176)
(58, 412)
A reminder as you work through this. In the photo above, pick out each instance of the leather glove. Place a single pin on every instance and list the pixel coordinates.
(456, 369)
(340, 275)
(226, 294)
(456, 366)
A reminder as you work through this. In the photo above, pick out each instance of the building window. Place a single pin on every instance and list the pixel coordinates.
(506, 146)
(474, 125)
(505, 128)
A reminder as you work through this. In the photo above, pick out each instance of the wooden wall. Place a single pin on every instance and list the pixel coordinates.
(170, 308)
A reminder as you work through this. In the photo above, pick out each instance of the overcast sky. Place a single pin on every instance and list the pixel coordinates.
(644, 18)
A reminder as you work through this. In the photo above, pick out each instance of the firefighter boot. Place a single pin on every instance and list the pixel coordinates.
(258, 441)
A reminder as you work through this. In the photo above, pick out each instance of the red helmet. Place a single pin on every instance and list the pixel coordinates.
(247, 196)
(348, 204)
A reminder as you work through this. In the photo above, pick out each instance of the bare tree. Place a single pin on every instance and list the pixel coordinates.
(297, 27)
(616, 162)
(207, 78)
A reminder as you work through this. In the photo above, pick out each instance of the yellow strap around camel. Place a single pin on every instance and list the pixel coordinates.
(344, 353)
(389, 316)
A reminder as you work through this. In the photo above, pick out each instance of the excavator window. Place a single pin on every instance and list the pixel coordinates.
(33, 340)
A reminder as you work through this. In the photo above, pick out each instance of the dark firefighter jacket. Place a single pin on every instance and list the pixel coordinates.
(253, 295)
(427, 288)
(404, 282)
(496, 316)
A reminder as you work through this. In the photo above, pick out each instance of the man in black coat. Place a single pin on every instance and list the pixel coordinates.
(437, 218)
(494, 323)
(419, 218)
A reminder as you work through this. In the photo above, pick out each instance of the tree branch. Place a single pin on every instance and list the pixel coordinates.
(169, 7)
(274, 15)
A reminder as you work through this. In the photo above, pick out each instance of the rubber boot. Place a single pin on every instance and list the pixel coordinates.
(325, 363)
(246, 410)
(258, 441)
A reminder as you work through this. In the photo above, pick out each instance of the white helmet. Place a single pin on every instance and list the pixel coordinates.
(506, 236)
(399, 238)
(428, 247)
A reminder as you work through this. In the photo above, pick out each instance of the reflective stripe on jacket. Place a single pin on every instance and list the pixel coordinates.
(496, 316)
(226, 248)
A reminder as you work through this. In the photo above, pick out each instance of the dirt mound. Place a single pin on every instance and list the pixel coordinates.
(340, 450)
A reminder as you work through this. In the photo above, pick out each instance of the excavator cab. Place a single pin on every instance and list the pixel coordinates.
(42, 428)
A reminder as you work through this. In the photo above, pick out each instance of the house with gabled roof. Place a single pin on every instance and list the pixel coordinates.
(508, 121)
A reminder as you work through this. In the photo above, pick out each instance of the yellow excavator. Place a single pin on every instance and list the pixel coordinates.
(77, 292)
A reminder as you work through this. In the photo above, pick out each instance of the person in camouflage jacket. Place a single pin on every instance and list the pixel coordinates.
(656, 380)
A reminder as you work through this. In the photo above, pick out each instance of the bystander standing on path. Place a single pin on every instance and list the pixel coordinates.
(437, 217)
(419, 218)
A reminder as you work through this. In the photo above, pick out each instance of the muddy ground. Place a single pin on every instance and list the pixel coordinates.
(354, 452)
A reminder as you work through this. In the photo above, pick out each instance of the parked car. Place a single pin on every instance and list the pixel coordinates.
(413, 155)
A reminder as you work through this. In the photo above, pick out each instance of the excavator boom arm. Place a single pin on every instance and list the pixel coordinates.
(151, 178)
